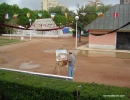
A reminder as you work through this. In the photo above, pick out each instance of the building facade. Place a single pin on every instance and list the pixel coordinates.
(124, 1)
(96, 2)
(47, 4)
(111, 32)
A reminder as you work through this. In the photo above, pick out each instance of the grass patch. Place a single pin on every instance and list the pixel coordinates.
(2, 60)
(5, 41)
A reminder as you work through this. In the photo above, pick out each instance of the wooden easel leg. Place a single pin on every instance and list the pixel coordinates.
(55, 67)
(58, 70)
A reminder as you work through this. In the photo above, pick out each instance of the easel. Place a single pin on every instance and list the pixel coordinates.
(60, 64)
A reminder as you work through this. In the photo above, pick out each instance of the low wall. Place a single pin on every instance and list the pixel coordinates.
(100, 46)
(40, 74)
(107, 41)
(42, 34)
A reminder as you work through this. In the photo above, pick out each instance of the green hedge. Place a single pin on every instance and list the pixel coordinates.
(21, 86)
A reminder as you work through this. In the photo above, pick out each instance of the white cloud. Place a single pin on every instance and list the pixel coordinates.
(11, 2)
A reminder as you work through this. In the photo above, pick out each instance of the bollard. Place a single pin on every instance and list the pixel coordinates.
(22, 39)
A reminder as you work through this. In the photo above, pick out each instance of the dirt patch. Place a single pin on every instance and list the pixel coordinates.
(2, 61)
(28, 65)
(99, 69)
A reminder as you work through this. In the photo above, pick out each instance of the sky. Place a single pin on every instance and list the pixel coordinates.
(71, 4)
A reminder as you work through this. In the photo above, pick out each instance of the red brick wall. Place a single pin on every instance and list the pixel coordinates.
(108, 39)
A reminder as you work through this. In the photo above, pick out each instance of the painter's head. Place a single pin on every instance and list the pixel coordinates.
(70, 52)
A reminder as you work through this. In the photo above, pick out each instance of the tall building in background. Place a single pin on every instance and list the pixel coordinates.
(96, 2)
(124, 1)
(47, 4)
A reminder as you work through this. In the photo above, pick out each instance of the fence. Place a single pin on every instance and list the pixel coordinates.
(33, 33)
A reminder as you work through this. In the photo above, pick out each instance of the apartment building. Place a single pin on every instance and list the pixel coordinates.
(47, 4)
(124, 1)
(96, 2)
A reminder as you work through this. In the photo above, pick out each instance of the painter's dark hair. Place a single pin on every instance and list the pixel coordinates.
(70, 52)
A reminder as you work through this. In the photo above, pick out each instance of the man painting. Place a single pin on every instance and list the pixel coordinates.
(71, 63)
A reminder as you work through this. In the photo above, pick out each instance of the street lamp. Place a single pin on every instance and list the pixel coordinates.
(76, 18)
(30, 26)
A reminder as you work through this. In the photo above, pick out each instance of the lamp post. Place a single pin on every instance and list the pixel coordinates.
(30, 26)
(78, 91)
(76, 18)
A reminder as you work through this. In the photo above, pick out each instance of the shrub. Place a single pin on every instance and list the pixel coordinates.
(21, 86)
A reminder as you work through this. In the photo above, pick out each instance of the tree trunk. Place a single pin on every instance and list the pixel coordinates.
(79, 32)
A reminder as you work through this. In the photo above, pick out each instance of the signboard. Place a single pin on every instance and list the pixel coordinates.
(61, 55)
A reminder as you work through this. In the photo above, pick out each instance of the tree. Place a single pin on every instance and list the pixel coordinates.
(23, 20)
(4, 8)
(44, 14)
(11, 10)
(59, 19)
(60, 15)
(90, 14)
(12, 22)
(58, 10)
